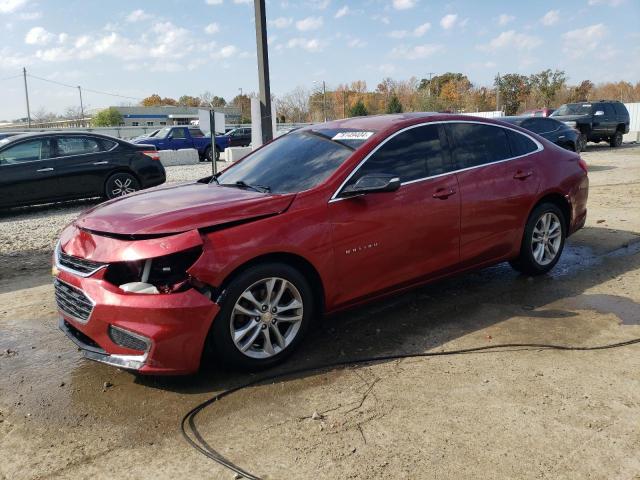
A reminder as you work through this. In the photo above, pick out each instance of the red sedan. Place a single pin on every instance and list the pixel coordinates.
(319, 220)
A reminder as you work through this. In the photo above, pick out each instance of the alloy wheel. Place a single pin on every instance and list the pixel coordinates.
(122, 186)
(546, 238)
(266, 318)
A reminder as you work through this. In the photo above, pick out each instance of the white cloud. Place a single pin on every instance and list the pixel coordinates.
(610, 3)
(581, 41)
(213, 2)
(30, 15)
(416, 52)
(403, 4)
(212, 28)
(137, 16)
(382, 18)
(317, 4)
(550, 18)
(246, 2)
(504, 19)
(356, 43)
(387, 68)
(281, 22)
(419, 31)
(449, 21)
(511, 39)
(63, 37)
(342, 12)
(10, 6)
(310, 45)
(227, 51)
(38, 36)
(309, 23)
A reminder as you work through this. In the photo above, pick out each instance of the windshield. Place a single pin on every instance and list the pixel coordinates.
(292, 163)
(573, 109)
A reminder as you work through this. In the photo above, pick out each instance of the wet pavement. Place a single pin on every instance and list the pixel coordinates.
(513, 414)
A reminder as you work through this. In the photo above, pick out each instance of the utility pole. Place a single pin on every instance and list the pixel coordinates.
(263, 70)
(212, 126)
(498, 92)
(81, 106)
(240, 100)
(324, 101)
(26, 94)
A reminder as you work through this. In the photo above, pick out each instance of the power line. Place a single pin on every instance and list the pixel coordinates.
(11, 77)
(85, 89)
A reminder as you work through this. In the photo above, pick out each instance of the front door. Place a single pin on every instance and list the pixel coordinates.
(383, 240)
(27, 173)
(82, 164)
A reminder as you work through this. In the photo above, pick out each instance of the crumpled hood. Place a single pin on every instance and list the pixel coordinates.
(571, 118)
(179, 208)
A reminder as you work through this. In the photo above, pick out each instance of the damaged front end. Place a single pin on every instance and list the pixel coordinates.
(131, 302)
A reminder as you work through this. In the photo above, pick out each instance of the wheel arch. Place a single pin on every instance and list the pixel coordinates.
(561, 202)
(119, 169)
(298, 262)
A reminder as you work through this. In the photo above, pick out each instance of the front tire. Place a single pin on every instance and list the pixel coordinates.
(543, 240)
(265, 312)
(120, 184)
(616, 140)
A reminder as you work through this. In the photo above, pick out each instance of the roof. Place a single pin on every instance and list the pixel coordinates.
(57, 133)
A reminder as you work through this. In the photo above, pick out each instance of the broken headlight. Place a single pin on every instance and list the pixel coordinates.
(167, 274)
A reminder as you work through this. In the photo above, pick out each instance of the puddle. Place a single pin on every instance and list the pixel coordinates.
(624, 308)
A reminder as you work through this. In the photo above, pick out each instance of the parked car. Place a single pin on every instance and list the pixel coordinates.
(10, 134)
(239, 265)
(551, 129)
(240, 137)
(179, 137)
(47, 167)
(538, 112)
(597, 121)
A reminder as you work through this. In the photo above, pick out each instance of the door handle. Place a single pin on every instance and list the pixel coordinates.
(101, 163)
(45, 170)
(443, 193)
(520, 175)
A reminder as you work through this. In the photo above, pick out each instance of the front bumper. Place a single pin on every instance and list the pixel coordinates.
(176, 326)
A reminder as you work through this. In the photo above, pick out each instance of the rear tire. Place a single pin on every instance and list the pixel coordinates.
(206, 157)
(543, 240)
(120, 184)
(616, 140)
(256, 329)
(582, 142)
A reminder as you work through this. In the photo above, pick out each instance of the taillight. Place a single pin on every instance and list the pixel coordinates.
(152, 154)
(583, 165)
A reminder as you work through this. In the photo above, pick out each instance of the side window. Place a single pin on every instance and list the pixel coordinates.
(620, 109)
(196, 133)
(608, 110)
(178, 133)
(477, 144)
(77, 146)
(107, 144)
(413, 154)
(26, 152)
(520, 145)
(533, 124)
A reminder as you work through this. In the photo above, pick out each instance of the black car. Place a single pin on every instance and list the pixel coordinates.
(47, 167)
(551, 129)
(240, 137)
(597, 121)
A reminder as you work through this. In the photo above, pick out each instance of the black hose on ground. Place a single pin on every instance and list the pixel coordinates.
(203, 447)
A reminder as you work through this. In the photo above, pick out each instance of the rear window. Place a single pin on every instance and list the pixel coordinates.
(478, 144)
(520, 144)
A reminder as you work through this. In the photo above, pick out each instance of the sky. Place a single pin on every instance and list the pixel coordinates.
(175, 47)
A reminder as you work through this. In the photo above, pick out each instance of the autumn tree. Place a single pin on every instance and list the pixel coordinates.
(582, 91)
(151, 101)
(188, 101)
(207, 99)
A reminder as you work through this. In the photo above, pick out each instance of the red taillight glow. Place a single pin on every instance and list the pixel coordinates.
(583, 165)
(152, 154)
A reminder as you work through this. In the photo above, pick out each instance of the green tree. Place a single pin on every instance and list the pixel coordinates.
(547, 84)
(109, 117)
(434, 86)
(189, 101)
(513, 90)
(394, 105)
(358, 110)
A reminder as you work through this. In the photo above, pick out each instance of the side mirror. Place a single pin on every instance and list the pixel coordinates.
(372, 183)
(599, 113)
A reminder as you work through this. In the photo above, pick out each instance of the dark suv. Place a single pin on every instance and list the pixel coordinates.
(596, 121)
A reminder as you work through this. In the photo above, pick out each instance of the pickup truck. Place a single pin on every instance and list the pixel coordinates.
(606, 120)
(179, 137)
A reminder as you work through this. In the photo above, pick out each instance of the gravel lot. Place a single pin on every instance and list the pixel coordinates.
(526, 414)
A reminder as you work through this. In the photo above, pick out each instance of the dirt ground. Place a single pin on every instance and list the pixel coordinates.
(514, 414)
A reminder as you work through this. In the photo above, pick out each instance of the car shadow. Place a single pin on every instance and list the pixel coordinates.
(434, 315)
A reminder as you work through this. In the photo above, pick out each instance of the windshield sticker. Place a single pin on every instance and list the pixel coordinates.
(352, 136)
(586, 104)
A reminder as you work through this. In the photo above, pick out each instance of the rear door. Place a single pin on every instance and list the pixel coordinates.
(27, 172)
(382, 240)
(498, 183)
(180, 138)
(82, 163)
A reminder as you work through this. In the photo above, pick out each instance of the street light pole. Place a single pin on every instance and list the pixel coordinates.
(81, 106)
(324, 101)
(263, 70)
(26, 94)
